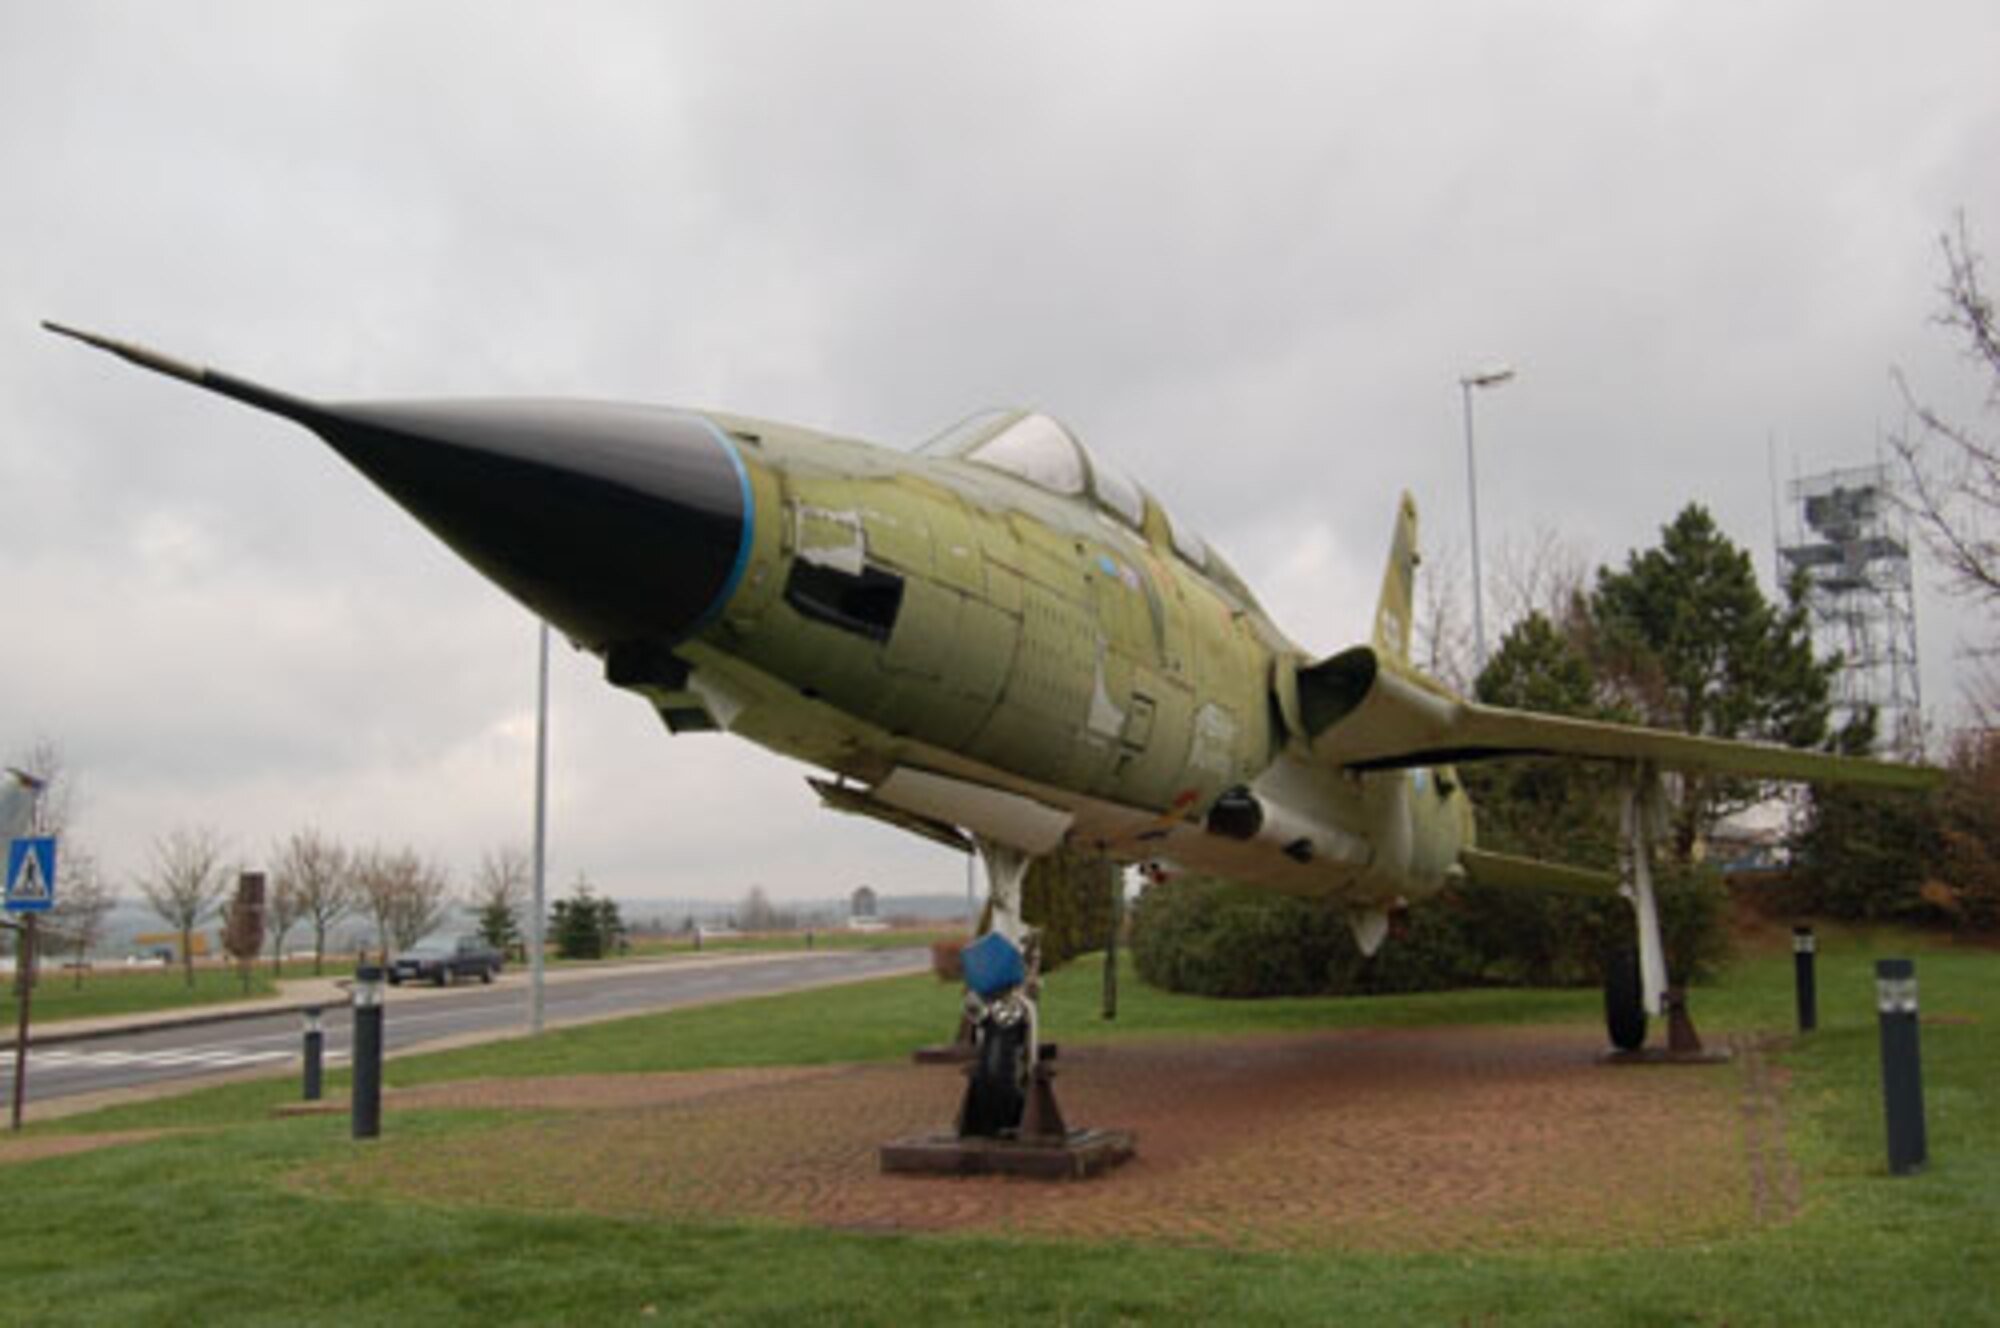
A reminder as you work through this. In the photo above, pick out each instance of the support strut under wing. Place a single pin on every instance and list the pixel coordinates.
(1638, 815)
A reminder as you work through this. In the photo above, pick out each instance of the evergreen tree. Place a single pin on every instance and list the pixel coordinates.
(610, 927)
(498, 927)
(1542, 807)
(1864, 855)
(577, 923)
(1555, 810)
(1067, 898)
(1684, 636)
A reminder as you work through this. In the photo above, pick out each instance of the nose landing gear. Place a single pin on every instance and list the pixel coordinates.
(1008, 1120)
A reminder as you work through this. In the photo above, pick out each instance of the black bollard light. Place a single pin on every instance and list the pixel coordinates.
(1804, 949)
(367, 1110)
(1902, 1073)
(315, 1053)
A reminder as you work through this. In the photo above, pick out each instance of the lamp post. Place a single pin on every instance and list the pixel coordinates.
(315, 1053)
(1902, 1075)
(1804, 982)
(24, 959)
(1485, 378)
(538, 909)
(366, 1109)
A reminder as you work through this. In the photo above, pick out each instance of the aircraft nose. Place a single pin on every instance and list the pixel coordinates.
(614, 523)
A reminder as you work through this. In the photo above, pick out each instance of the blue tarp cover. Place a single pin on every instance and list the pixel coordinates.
(992, 965)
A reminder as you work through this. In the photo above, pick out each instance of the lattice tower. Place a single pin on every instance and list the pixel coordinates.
(1849, 536)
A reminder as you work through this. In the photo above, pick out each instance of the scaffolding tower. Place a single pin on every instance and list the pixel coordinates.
(1848, 536)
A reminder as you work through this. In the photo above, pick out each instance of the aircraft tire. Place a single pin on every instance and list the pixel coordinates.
(1624, 1004)
(995, 1098)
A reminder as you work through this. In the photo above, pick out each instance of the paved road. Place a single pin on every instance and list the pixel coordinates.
(147, 1057)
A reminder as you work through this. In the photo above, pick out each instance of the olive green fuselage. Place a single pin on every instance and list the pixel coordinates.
(902, 611)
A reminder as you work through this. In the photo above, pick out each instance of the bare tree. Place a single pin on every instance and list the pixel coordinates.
(1442, 632)
(42, 761)
(37, 796)
(760, 914)
(283, 910)
(405, 896)
(500, 892)
(1954, 468)
(316, 874)
(1983, 691)
(1544, 573)
(185, 883)
(83, 901)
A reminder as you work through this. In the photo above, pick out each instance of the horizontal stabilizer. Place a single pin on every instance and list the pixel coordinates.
(1504, 871)
(1362, 712)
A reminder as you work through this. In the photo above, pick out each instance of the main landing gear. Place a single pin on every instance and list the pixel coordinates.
(1624, 1003)
(1635, 979)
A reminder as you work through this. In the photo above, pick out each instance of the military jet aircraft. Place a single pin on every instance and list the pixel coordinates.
(998, 637)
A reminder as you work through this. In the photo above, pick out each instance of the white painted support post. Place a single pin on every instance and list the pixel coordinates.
(1638, 806)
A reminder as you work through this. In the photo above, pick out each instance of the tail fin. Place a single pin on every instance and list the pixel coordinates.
(1393, 612)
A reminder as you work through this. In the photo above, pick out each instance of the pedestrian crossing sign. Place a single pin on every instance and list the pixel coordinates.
(31, 874)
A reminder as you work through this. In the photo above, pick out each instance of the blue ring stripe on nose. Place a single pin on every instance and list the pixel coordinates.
(744, 539)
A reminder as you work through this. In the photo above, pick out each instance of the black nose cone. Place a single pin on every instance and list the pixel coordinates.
(615, 523)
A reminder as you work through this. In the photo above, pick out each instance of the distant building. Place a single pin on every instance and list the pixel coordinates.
(167, 945)
(861, 911)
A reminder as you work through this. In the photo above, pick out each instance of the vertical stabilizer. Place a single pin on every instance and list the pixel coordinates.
(1393, 613)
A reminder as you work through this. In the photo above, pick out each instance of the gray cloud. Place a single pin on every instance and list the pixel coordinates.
(1245, 249)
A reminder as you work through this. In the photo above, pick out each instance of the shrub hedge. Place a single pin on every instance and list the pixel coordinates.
(1213, 938)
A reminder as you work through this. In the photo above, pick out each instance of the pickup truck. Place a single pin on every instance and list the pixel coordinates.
(439, 961)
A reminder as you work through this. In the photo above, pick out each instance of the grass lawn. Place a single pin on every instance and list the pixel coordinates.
(199, 1226)
(60, 995)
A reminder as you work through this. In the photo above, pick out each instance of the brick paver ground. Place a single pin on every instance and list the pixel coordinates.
(1404, 1139)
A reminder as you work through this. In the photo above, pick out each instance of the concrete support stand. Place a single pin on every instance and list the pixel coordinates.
(1684, 1046)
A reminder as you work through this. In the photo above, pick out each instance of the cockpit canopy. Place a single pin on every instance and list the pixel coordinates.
(1037, 448)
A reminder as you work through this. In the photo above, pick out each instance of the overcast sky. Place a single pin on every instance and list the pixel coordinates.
(1246, 249)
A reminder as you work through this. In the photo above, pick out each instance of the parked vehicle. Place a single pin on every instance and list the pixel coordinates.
(440, 961)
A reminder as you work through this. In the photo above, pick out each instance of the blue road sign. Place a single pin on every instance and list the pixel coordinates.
(31, 874)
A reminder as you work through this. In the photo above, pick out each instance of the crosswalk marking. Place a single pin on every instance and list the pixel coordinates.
(219, 1058)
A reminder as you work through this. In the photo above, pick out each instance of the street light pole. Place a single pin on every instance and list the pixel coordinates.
(24, 957)
(1488, 378)
(539, 908)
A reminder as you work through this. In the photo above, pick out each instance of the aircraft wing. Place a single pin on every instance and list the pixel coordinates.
(1363, 713)
(1509, 872)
